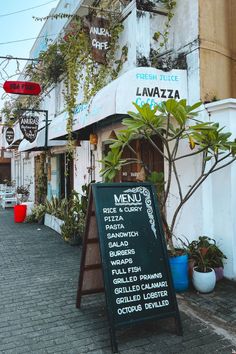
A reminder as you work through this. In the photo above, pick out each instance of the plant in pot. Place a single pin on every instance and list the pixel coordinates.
(176, 135)
(22, 193)
(37, 214)
(204, 277)
(74, 218)
(72, 229)
(214, 257)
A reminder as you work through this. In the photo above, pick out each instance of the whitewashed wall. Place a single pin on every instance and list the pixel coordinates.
(211, 212)
(222, 194)
(81, 166)
(28, 174)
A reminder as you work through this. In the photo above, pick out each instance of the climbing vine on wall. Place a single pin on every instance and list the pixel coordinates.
(70, 59)
(41, 185)
(162, 36)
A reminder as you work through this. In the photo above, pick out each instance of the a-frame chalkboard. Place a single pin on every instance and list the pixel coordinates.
(131, 261)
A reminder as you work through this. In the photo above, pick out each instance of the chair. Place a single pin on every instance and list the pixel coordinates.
(8, 199)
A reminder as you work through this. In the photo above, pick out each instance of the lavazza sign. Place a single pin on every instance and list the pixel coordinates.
(151, 86)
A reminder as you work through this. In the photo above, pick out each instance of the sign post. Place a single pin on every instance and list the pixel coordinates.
(134, 260)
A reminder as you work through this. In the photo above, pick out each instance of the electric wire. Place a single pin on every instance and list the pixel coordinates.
(29, 8)
(27, 39)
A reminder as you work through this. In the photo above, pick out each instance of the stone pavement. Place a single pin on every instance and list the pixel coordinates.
(38, 284)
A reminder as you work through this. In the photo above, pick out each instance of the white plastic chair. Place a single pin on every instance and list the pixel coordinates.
(8, 199)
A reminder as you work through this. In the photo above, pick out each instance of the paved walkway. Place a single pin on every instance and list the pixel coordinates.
(38, 283)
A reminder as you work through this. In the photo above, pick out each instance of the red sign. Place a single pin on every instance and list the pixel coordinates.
(22, 87)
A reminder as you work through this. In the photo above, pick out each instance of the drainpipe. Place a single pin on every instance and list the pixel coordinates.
(46, 129)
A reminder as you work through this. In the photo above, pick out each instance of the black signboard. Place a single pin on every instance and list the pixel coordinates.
(136, 273)
(9, 135)
(29, 127)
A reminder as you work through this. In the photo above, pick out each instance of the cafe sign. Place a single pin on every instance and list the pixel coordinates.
(22, 87)
(100, 37)
(29, 127)
(9, 135)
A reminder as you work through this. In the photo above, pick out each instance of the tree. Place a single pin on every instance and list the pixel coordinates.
(173, 122)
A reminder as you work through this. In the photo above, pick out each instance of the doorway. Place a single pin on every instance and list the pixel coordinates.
(150, 157)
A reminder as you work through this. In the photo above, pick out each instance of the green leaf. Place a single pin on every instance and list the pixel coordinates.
(203, 126)
(171, 105)
(183, 103)
(194, 106)
(207, 158)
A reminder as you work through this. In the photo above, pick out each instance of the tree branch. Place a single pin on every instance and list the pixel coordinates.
(192, 154)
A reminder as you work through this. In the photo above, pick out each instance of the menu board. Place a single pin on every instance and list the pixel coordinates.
(137, 279)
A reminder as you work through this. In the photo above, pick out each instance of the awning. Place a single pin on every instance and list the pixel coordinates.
(140, 85)
(39, 143)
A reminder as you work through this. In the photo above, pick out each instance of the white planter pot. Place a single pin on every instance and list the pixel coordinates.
(53, 222)
(30, 206)
(57, 224)
(48, 220)
(204, 282)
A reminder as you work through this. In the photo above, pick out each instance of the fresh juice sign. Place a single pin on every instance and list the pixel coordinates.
(152, 86)
(151, 95)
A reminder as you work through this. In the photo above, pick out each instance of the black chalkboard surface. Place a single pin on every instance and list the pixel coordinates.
(136, 273)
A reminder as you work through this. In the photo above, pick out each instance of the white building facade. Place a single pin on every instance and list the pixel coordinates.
(210, 211)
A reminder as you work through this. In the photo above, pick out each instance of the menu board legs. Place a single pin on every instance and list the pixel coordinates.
(124, 253)
(91, 277)
(178, 325)
(113, 340)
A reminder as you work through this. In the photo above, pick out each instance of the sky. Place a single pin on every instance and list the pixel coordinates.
(19, 27)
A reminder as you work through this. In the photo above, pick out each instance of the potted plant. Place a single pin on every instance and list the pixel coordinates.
(55, 210)
(213, 256)
(74, 217)
(204, 277)
(73, 228)
(182, 136)
(22, 193)
(37, 214)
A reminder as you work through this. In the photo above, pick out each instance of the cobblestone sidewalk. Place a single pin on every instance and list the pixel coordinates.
(38, 283)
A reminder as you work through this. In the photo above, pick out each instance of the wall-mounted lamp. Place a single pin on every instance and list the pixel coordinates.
(112, 135)
(93, 139)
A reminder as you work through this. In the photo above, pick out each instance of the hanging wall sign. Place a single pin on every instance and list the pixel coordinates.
(133, 256)
(29, 127)
(100, 38)
(9, 135)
